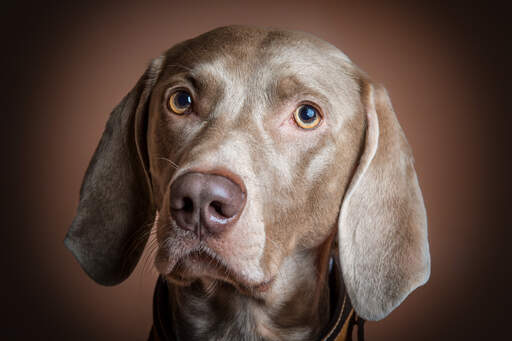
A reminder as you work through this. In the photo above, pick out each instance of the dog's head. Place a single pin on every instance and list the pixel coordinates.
(247, 147)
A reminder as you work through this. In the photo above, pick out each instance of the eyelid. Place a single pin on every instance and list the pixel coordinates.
(319, 102)
(177, 86)
(313, 104)
(183, 81)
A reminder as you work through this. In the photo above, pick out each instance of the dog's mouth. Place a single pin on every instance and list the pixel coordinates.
(203, 263)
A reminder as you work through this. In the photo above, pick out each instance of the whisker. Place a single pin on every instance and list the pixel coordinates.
(172, 163)
(211, 289)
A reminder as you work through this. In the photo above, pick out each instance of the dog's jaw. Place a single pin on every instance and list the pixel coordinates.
(294, 306)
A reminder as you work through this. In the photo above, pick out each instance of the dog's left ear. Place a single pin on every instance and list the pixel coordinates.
(382, 227)
(115, 212)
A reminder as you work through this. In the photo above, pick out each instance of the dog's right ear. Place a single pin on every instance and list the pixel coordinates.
(383, 240)
(115, 212)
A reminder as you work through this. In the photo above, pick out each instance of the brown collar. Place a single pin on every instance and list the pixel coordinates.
(340, 326)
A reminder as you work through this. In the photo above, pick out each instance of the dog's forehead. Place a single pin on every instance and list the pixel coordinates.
(248, 51)
(241, 42)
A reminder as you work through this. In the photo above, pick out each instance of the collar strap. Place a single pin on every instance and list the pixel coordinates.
(343, 318)
(340, 327)
(161, 330)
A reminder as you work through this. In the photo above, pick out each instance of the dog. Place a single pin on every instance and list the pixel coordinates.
(279, 183)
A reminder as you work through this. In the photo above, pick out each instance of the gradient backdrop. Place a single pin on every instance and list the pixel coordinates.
(66, 66)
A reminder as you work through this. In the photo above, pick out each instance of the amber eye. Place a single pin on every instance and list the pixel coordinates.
(306, 116)
(180, 102)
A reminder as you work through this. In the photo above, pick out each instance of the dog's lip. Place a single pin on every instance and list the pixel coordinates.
(214, 267)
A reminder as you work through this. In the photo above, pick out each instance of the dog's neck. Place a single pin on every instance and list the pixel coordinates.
(295, 307)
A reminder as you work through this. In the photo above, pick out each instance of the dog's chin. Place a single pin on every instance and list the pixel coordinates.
(200, 265)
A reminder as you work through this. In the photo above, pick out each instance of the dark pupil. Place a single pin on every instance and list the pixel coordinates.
(183, 100)
(307, 113)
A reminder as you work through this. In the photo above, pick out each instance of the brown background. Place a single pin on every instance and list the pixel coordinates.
(66, 66)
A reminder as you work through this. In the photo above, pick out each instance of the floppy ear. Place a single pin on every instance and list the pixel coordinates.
(383, 244)
(115, 212)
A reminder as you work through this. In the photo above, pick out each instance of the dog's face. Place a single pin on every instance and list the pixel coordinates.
(247, 148)
(245, 92)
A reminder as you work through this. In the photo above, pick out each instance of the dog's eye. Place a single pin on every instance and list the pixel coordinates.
(180, 102)
(306, 116)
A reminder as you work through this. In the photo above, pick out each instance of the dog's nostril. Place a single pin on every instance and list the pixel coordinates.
(216, 206)
(188, 205)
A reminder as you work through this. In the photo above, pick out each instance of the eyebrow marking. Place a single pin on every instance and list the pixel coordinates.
(193, 81)
(290, 88)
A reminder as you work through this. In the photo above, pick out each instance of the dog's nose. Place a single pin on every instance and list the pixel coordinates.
(201, 201)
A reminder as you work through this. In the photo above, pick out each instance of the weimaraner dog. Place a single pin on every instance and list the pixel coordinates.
(278, 181)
